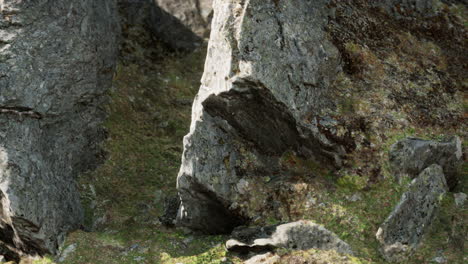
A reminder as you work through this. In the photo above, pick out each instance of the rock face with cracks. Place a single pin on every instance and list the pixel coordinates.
(268, 65)
(56, 64)
(301, 235)
(402, 231)
(412, 155)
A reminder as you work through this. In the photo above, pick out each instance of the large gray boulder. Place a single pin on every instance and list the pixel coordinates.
(404, 228)
(410, 156)
(301, 235)
(56, 65)
(268, 68)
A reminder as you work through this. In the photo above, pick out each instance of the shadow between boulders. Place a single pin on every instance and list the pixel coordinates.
(171, 30)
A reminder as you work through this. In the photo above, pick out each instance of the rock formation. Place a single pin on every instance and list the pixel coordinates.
(326, 82)
(268, 65)
(403, 230)
(301, 235)
(56, 65)
(411, 156)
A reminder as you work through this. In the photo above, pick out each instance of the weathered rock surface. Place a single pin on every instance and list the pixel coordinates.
(268, 64)
(412, 155)
(56, 64)
(299, 235)
(403, 230)
(194, 14)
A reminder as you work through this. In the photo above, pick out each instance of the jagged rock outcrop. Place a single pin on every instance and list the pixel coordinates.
(301, 235)
(404, 228)
(56, 65)
(268, 64)
(412, 155)
(194, 14)
(324, 83)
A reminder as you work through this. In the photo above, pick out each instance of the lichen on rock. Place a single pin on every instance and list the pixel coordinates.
(56, 65)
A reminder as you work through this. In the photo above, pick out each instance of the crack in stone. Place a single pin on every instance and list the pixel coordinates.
(20, 111)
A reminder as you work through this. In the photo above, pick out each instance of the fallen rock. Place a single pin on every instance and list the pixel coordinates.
(411, 156)
(56, 65)
(268, 65)
(299, 235)
(403, 230)
(460, 199)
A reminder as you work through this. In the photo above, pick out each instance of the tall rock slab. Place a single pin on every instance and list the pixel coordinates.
(267, 72)
(56, 65)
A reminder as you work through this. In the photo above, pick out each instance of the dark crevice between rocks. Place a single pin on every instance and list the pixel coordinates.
(20, 111)
(221, 220)
(267, 123)
(6, 245)
(172, 31)
(12, 245)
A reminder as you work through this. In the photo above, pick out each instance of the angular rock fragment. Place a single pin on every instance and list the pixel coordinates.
(268, 68)
(412, 155)
(299, 235)
(56, 65)
(403, 230)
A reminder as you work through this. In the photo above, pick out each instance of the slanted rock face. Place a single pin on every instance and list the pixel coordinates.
(56, 64)
(402, 231)
(412, 155)
(299, 235)
(194, 14)
(268, 68)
